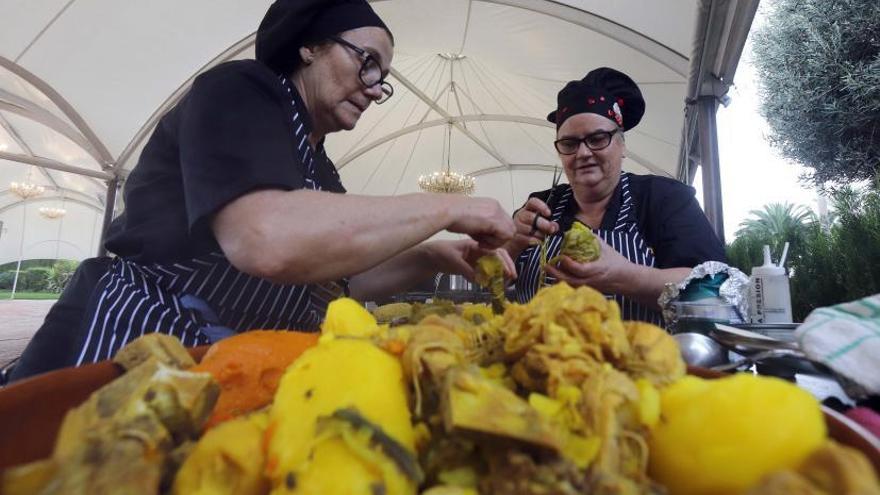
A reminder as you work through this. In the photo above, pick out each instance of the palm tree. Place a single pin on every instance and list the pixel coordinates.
(774, 225)
(830, 265)
(780, 221)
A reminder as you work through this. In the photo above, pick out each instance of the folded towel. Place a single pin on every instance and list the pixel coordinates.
(846, 338)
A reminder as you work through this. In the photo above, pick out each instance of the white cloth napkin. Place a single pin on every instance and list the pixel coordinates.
(846, 338)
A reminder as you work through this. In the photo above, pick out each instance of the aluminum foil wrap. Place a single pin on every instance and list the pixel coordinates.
(733, 291)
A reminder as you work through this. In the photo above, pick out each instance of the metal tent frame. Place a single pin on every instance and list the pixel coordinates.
(720, 33)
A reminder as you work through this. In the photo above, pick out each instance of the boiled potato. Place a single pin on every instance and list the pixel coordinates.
(228, 460)
(722, 436)
(347, 317)
(340, 423)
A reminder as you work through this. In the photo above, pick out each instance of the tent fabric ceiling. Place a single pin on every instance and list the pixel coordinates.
(83, 83)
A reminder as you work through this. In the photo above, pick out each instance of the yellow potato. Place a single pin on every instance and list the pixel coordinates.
(314, 449)
(347, 317)
(649, 403)
(722, 436)
(228, 460)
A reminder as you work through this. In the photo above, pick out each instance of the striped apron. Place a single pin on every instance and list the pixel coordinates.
(625, 238)
(204, 299)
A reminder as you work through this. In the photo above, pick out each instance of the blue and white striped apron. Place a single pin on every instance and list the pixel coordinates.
(203, 299)
(625, 238)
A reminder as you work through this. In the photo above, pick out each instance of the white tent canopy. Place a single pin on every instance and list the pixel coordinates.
(83, 83)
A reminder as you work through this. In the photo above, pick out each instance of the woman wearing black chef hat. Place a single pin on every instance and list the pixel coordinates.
(233, 215)
(652, 227)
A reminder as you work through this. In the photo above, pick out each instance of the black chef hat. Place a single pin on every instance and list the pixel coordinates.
(602, 91)
(290, 24)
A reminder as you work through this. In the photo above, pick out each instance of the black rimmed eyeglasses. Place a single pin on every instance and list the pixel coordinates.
(370, 73)
(596, 141)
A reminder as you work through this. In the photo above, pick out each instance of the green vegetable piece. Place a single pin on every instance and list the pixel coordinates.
(579, 244)
(490, 274)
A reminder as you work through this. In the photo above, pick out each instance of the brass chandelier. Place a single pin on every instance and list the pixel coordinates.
(52, 212)
(26, 190)
(447, 181)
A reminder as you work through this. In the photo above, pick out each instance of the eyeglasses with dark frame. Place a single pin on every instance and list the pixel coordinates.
(370, 73)
(596, 141)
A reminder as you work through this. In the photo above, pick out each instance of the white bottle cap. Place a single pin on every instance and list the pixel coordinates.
(768, 268)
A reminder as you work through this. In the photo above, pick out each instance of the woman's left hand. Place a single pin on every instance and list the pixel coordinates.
(610, 274)
(459, 257)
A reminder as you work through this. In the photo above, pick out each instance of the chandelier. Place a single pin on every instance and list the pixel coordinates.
(51, 212)
(447, 181)
(26, 190)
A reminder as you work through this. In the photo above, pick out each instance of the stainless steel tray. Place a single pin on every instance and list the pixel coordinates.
(778, 331)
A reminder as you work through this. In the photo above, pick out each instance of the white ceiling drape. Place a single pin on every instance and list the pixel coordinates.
(82, 83)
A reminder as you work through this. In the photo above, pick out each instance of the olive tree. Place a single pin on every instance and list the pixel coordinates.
(818, 63)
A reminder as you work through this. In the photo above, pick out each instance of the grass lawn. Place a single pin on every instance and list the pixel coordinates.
(4, 295)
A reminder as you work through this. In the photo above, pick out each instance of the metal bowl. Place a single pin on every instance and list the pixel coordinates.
(701, 316)
(699, 350)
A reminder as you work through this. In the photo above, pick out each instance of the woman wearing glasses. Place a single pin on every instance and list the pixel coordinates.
(234, 218)
(652, 228)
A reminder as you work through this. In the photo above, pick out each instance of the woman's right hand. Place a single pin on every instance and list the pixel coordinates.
(524, 219)
(483, 220)
(460, 257)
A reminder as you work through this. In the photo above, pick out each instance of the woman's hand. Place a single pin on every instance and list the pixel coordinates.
(417, 264)
(524, 218)
(610, 274)
(614, 274)
(459, 257)
(483, 220)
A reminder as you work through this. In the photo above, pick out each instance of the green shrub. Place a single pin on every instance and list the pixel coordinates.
(815, 279)
(40, 276)
(746, 251)
(34, 279)
(25, 264)
(60, 275)
(6, 280)
(856, 237)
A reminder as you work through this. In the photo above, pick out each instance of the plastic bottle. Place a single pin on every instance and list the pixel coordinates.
(769, 293)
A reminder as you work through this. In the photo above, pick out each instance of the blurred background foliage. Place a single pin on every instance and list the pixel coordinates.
(44, 276)
(830, 260)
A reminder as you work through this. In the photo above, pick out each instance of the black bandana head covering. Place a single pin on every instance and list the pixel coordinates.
(290, 24)
(606, 92)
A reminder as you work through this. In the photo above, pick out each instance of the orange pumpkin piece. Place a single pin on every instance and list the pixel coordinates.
(248, 367)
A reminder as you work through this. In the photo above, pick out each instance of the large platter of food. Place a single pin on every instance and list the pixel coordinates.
(558, 396)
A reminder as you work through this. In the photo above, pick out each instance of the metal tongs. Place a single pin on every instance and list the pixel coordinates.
(557, 175)
(760, 347)
(754, 346)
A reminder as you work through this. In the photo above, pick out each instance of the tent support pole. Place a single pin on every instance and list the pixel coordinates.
(109, 209)
(708, 129)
